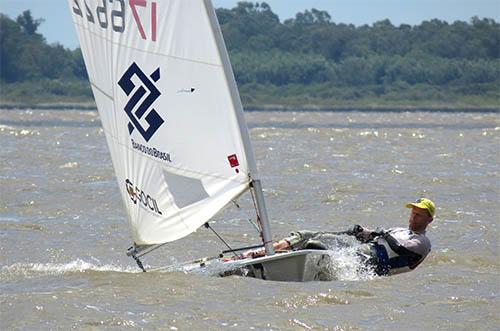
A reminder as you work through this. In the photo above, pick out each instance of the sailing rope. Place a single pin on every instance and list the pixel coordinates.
(254, 225)
(221, 239)
(151, 249)
(135, 254)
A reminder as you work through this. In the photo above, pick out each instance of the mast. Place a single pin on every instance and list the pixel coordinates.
(256, 183)
(264, 218)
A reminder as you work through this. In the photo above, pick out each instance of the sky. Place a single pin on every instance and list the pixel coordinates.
(58, 26)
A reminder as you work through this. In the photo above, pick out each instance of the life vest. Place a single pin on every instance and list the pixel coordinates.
(392, 258)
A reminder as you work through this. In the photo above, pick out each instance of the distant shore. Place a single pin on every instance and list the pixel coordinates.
(296, 108)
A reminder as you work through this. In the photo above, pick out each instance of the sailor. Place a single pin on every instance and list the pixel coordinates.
(387, 252)
(398, 250)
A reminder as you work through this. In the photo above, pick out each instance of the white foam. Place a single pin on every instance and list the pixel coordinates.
(346, 265)
(69, 165)
(76, 266)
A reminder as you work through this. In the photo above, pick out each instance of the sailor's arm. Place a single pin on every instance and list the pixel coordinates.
(281, 245)
(294, 240)
(363, 234)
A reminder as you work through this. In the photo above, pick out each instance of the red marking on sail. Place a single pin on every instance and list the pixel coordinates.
(133, 4)
(153, 21)
(233, 160)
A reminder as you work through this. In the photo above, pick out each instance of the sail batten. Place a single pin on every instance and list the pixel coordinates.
(102, 91)
(150, 52)
(170, 110)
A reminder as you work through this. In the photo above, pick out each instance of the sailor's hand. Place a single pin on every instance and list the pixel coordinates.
(379, 233)
(369, 235)
(355, 230)
(361, 234)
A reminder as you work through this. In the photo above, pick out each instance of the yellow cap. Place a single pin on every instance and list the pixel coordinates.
(424, 204)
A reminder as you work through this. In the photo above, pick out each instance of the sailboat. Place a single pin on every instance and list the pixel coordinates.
(174, 124)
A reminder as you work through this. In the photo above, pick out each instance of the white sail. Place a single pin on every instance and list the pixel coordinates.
(170, 110)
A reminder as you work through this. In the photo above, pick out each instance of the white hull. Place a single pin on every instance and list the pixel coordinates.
(295, 266)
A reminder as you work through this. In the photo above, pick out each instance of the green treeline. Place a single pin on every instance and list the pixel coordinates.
(307, 60)
(32, 71)
(312, 60)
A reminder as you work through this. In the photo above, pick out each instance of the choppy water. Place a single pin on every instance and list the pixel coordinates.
(63, 232)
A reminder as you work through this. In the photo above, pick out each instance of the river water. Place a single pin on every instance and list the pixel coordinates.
(63, 231)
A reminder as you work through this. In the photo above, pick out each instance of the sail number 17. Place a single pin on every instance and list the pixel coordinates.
(117, 15)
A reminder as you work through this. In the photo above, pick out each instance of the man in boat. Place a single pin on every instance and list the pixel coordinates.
(387, 252)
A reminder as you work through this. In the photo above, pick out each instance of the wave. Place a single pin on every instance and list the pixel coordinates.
(76, 266)
(345, 264)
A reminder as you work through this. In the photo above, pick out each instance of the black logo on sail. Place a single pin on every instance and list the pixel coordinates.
(147, 88)
(138, 195)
